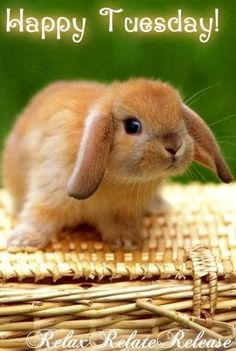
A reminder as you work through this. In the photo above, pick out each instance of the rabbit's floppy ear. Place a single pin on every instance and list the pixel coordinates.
(93, 155)
(206, 150)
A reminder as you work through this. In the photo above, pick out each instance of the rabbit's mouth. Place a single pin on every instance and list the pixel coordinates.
(181, 160)
(170, 166)
(179, 163)
(175, 161)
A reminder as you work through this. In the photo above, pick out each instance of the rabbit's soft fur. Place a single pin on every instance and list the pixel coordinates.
(69, 159)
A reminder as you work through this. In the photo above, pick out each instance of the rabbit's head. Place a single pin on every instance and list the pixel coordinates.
(141, 130)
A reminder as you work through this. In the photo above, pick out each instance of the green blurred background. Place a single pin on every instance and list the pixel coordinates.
(27, 63)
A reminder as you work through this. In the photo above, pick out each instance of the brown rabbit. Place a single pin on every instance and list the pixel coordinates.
(91, 153)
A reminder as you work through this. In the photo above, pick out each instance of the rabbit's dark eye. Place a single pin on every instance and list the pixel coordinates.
(132, 126)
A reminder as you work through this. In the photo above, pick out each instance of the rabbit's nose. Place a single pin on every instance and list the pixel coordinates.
(172, 150)
(172, 143)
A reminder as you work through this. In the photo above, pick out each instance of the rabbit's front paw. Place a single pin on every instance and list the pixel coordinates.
(25, 236)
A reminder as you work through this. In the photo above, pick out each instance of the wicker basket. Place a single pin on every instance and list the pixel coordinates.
(184, 277)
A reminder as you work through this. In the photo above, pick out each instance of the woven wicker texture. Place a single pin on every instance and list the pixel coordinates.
(204, 215)
(200, 214)
(189, 256)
